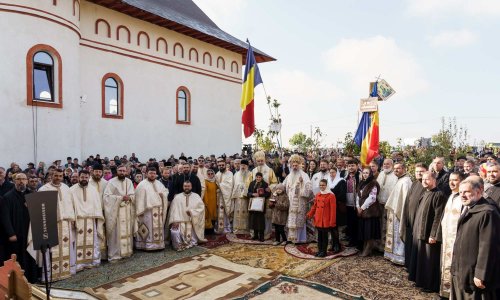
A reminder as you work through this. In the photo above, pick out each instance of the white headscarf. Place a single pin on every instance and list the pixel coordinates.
(332, 183)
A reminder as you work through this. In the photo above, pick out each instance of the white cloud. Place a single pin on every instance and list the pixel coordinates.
(225, 13)
(364, 59)
(436, 8)
(306, 100)
(453, 38)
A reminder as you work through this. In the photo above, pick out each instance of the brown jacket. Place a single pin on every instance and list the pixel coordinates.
(477, 248)
(280, 209)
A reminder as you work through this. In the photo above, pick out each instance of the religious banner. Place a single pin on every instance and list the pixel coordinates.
(368, 105)
(384, 90)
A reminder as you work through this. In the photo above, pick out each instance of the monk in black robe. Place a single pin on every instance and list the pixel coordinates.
(15, 220)
(493, 191)
(475, 266)
(413, 199)
(186, 175)
(425, 261)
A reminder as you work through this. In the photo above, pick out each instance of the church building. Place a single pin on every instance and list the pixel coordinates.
(81, 77)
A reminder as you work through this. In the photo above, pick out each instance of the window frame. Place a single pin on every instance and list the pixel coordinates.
(187, 106)
(120, 103)
(57, 99)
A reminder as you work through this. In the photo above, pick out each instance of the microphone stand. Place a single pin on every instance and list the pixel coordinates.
(44, 260)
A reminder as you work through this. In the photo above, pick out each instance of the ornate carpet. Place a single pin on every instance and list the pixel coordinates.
(373, 277)
(247, 239)
(288, 288)
(271, 257)
(307, 251)
(203, 276)
(109, 272)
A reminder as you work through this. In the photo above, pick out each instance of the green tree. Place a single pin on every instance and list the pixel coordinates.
(266, 140)
(385, 149)
(263, 141)
(301, 141)
(350, 147)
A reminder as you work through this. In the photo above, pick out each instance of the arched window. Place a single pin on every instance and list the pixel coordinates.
(44, 77)
(183, 104)
(112, 96)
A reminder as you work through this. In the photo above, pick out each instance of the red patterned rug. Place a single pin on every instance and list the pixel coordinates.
(214, 241)
(308, 250)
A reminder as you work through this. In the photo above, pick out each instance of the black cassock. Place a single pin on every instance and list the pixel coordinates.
(15, 220)
(413, 199)
(425, 260)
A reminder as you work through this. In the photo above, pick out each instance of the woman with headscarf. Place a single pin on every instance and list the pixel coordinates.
(338, 186)
(369, 211)
(210, 200)
(258, 188)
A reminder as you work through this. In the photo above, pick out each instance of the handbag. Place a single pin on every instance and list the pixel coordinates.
(256, 204)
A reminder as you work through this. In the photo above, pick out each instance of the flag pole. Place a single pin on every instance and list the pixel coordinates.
(265, 94)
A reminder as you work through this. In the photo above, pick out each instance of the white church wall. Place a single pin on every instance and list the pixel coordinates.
(150, 76)
(25, 24)
(151, 79)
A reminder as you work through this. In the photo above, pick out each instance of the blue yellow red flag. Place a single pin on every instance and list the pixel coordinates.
(251, 78)
(367, 135)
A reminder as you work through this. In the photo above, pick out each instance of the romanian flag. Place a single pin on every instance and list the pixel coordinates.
(251, 79)
(367, 136)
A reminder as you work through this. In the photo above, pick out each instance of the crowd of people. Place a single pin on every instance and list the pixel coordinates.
(442, 225)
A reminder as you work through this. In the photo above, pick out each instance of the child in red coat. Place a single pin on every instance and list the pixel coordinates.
(324, 215)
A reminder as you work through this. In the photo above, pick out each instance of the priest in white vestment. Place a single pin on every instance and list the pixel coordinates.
(186, 219)
(299, 190)
(225, 203)
(271, 179)
(242, 180)
(119, 213)
(386, 180)
(89, 222)
(151, 205)
(63, 263)
(449, 224)
(394, 249)
(97, 181)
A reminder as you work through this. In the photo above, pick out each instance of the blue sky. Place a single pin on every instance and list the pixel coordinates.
(441, 57)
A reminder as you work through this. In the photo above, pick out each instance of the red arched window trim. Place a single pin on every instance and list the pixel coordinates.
(97, 27)
(188, 104)
(121, 108)
(29, 77)
(223, 62)
(209, 56)
(139, 38)
(182, 49)
(236, 68)
(118, 33)
(74, 8)
(195, 51)
(158, 44)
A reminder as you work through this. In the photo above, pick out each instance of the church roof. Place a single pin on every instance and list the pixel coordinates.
(185, 17)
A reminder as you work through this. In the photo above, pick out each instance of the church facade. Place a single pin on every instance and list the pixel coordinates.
(154, 77)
